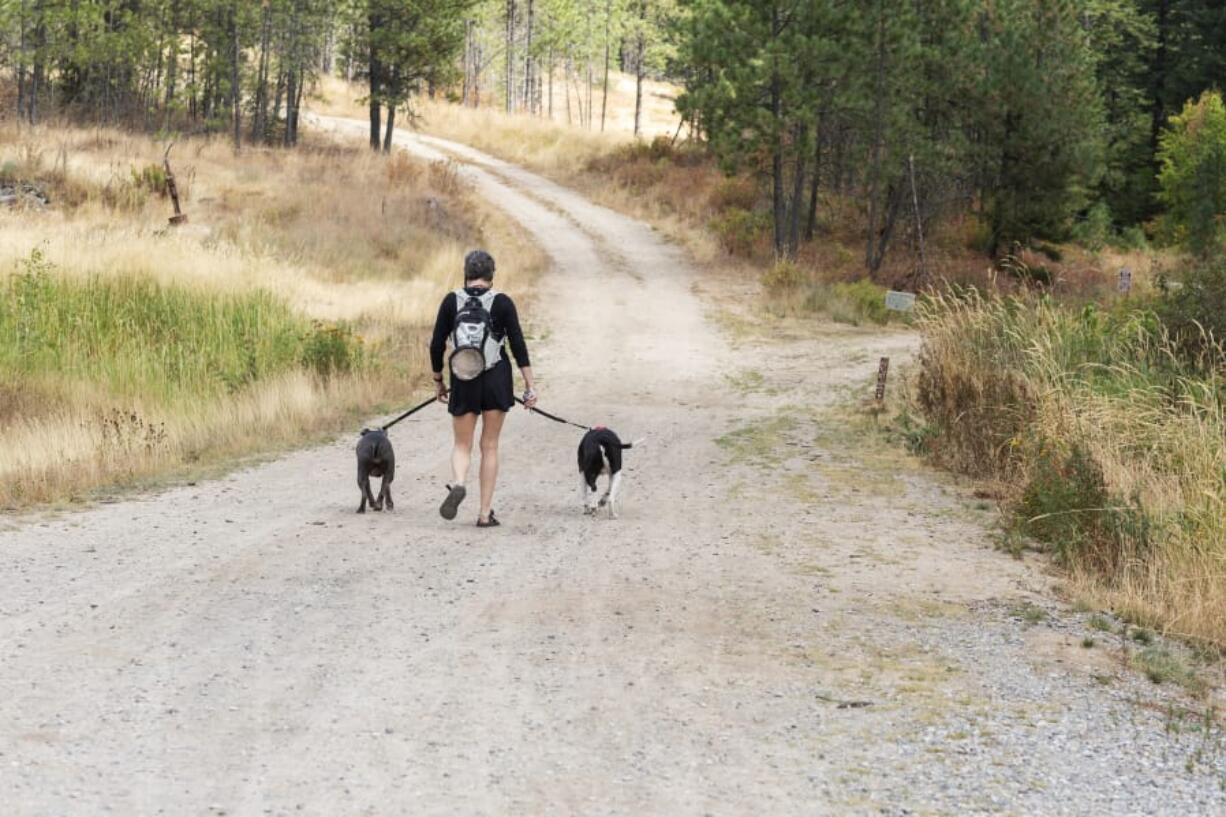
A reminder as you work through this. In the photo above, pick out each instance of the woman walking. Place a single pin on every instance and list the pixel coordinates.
(478, 321)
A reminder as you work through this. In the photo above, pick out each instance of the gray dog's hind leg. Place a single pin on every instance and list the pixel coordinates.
(364, 487)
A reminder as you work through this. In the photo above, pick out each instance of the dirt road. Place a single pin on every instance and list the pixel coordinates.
(789, 618)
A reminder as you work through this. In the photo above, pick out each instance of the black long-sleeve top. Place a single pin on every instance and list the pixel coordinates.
(504, 321)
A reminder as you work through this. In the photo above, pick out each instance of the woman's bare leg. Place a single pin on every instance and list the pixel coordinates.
(491, 429)
(462, 453)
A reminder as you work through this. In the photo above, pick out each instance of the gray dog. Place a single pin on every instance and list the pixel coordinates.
(375, 459)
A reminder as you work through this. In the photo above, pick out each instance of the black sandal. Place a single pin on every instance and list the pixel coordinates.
(491, 523)
(455, 495)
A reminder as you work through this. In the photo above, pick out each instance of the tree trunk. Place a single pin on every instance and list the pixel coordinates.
(528, 78)
(777, 194)
(326, 56)
(510, 56)
(800, 134)
(894, 200)
(375, 72)
(778, 205)
(566, 88)
(811, 222)
(604, 97)
(191, 76)
(391, 124)
(172, 76)
(172, 63)
(292, 81)
(589, 92)
(1158, 111)
(477, 75)
(236, 90)
(874, 160)
(468, 63)
(21, 64)
(551, 69)
(259, 118)
(640, 50)
(37, 69)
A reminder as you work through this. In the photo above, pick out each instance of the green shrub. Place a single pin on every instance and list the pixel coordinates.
(1197, 306)
(853, 303)
(1067, 505)
(866, 299)
(1131, 238)
(1192, 179)
(738, 231)
(1094, 230)
(331, 348)
(151, 178)
(783, 275)
(735, 192)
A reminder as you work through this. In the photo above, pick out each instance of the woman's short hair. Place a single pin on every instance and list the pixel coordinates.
(478, 264)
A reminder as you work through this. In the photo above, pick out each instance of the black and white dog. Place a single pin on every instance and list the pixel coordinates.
(375, 459)
(600, 452)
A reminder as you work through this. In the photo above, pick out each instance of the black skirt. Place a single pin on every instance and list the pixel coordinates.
(492, 390)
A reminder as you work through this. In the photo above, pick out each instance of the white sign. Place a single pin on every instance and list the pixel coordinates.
(1125, 284)
(900, 301)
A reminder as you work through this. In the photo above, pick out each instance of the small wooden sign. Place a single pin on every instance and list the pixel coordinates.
(883, 370)
(1125, 283)
(900, 301)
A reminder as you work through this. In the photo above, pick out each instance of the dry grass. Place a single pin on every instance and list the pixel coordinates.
(335, 97)
(1111, 446)
(78, 446)
(333, 232)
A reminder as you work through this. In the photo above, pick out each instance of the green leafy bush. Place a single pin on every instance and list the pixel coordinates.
(151, 178)
(1094, 230)
(783, 275)
(866, 300)
(331, 348)
(738, 231)
(1192, 180)
(1067, 505)
(735, 192)
(1196, 308)
(853, 302)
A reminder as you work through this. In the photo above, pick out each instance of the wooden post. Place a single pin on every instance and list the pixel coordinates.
(179, 217)
(883, 369)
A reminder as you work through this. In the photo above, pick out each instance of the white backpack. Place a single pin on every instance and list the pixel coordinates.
(474, 346)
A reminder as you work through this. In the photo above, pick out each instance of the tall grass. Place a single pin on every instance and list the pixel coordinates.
(106, 378)
(298, 296)
(135, 338)
(1110, 445)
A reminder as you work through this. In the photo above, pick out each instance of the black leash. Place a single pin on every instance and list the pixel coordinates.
(553, 417)
(410, 412)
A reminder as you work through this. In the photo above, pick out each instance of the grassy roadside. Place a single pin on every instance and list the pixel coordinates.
(295, 300)
(1105, 441)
